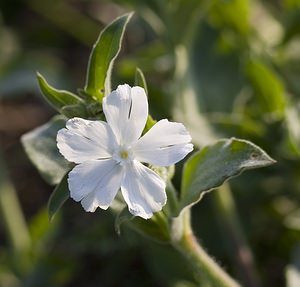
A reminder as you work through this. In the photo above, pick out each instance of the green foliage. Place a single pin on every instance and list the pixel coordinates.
(102, 58)
(214, 164)
(204, 68)
(268, 88)
(140, 80)
(232, 14)
(58, 197)
(154, 228)
(57, 98)
(40, 146)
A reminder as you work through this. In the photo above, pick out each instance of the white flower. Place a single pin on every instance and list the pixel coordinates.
(109, 154)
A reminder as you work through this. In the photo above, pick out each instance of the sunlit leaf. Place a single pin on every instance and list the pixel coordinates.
(57, 98)
(232, 14)
(40, 146)
(102, 58)
(140, 80)
(216, 163)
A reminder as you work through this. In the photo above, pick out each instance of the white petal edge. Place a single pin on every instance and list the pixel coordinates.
(138, 115)
(95, 183)
(164, 156)
(164, 144)
(84, 140)
(143, 190)
(126, 111)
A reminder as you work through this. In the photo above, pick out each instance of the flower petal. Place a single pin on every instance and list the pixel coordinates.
(143, 190)
(83, 140)
(95, 183)
(164, 144)
(126, 111)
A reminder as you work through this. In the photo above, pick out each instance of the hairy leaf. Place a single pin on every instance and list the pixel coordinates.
(57, 98)
(102, 58)
(140, 80)
(40, 146)
(216, 163)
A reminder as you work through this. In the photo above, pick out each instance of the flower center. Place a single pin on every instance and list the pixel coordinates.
(123, 154)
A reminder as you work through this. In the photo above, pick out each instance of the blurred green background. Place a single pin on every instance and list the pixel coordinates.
(223, 68)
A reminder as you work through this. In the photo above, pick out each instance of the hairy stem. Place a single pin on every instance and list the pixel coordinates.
(208, 269)
(237, 244)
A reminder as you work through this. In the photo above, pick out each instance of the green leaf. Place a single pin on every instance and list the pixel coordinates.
(83, 93)
(78, 110)
(40, 146)
(122, 217)
(60, 194)
(41, 230)
(95, 111)
(268, 88)
(57, 98)
(140, 80)
(102, 58)
(232, 14)
(290, 145)
(214, 164)
(154, 228)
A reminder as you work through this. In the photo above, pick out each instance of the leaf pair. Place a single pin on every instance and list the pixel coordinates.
(98, 78)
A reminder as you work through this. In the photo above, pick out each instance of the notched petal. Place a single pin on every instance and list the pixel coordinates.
(97, 179)
(143, 190)
(84, 140)
(164, 144)
(126, 111)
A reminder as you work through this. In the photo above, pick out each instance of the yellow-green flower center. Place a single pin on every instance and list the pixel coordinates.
(124, 154)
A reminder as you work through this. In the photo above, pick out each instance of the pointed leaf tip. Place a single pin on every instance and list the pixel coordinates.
(103, 55)
(57, 98)
(217, 163)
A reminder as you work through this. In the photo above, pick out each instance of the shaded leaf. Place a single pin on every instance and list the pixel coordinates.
(122, 217)
(102, 58)
(154, 228)
(71, 111)
(216, 163)
(60, 194)
(40, 146)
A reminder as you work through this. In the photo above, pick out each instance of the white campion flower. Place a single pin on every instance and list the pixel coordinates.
(110, 154)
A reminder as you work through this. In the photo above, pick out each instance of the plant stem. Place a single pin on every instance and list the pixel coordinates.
(201, 261)
(237, 244)
(11, 212)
